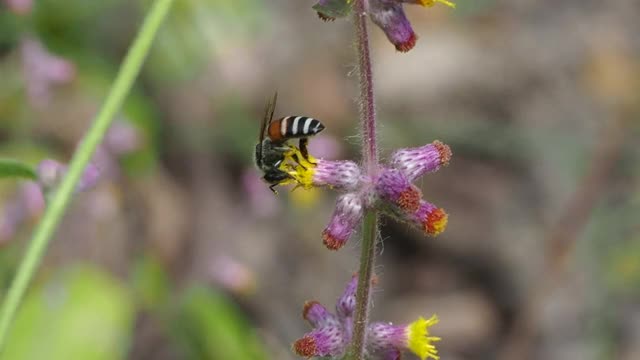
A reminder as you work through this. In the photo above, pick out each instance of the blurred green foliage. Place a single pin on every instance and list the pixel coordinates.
(79, 313)
(15, 169)
(211, 327)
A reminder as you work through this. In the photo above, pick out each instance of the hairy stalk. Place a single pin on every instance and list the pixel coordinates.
(127, 74)
(370, 162)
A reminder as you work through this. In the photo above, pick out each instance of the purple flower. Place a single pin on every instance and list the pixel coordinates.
(331, 333)
(393, 186)
(51, 172)
(340, 174)
(20, 7)
(391, 190)
(232, 275)
(122, 138)
(387, 14)
(42, 70)
(27, 203)
(416, 162)
(346, 217)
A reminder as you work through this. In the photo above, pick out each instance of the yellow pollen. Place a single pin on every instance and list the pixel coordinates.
(300, 168)
(419, 342)
(436, 222)
(430, 3)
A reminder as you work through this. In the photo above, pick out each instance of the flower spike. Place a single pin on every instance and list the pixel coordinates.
(331, 334)
(391, 190)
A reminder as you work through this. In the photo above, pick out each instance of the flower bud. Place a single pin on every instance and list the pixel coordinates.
(415, 162)
(317, 315)
(346, 304)
(429, 218)
(393, 186)
(323, 341)
(346, 217)
(390, 17)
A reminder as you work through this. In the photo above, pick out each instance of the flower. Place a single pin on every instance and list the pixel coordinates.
(395, 187)
(391, 190)
(387, 14)
(332, 333)
(26, 204)
(232, 275)
(346, 217)
(389, 339)
(311, 172)
(20, 7)
(51, 172)
(43, 70)
(415, 162)
(431, 219)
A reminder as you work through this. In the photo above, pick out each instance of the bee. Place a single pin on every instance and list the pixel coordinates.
(272, 144)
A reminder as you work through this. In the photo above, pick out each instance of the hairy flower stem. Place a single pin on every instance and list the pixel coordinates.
(60, 200)
(370, 162)
(367, 103)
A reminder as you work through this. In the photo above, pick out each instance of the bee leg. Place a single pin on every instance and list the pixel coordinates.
(276, 178)
(305, 152)
(303, 148)
(295, 154)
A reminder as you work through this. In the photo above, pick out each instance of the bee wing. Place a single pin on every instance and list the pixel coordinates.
(268, 115)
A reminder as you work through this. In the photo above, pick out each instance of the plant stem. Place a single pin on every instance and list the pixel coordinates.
(127, 74)
(370, 162)
(363, 292)
(367, 103)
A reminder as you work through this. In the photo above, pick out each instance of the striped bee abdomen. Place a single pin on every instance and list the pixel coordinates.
(291, 127)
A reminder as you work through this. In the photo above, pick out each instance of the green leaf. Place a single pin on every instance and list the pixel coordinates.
(15, 169)
(80, 313)
(210, 326)
(333, 8)
(151, 283)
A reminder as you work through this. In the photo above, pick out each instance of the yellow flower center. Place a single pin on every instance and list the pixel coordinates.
(420, 343)
(430, 3)
(300, 168)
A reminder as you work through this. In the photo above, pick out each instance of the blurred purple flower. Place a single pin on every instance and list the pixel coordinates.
(325, 147)
(233, 275)
(51, 172)
(27, 203)
(43, 70)
(122, 138)
(261, 201)
(20, 7)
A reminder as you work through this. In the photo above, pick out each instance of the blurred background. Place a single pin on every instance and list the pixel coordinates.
(181, 252)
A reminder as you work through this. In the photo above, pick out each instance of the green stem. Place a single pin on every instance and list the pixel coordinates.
(127, 74)
(363, 292)
(370, 162)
